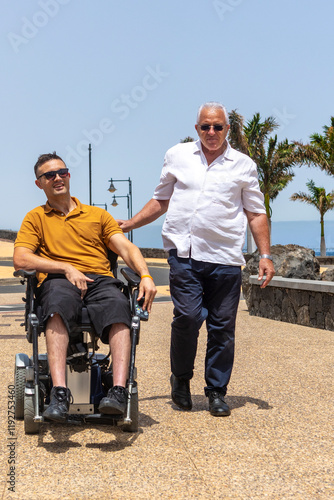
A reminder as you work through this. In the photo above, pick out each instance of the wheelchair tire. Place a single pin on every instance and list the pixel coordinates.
(20, 382)
(30, 427)
(133, 427)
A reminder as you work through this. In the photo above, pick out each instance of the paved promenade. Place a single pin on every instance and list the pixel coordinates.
(277, 443)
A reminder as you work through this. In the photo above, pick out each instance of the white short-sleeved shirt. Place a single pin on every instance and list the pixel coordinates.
(205, 217)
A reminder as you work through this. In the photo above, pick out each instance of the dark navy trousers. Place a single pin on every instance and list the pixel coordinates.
(203, 291)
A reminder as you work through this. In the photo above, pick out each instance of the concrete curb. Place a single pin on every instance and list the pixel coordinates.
(10, 281)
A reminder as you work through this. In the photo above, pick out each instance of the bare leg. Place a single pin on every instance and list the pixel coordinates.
(56, 344)
(119, 342)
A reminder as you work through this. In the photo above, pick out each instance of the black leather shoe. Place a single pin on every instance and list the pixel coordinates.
(60, 399)
(217, 405)
(181, 392)
(115, 402)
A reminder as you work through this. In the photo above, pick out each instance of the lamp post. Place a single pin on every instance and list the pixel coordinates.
(90, 181)
(90, 173)
(101, 205)
(114, 203)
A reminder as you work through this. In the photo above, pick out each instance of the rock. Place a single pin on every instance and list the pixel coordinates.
(311, 307)
(290, 261)
(327, 275)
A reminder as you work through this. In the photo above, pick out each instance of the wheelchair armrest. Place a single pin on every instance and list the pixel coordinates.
(131, 277)
(24, 274)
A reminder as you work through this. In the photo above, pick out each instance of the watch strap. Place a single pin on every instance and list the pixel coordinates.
(266, 256)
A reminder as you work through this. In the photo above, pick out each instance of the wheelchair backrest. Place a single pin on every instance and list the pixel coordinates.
(112, 257)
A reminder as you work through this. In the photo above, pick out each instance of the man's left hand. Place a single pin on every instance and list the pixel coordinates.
(266, 270)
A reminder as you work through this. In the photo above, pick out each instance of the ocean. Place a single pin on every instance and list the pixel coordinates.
(303, 233)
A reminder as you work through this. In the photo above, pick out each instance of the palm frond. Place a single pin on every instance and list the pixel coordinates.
(236, 134)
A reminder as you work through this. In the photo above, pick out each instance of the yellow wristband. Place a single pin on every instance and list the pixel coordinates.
(146, 276)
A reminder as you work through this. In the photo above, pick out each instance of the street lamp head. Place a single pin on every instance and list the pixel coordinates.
(112, 188)
(114, 202)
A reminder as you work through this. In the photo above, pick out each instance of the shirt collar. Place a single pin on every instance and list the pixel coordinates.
(227, 155)
(78, 209)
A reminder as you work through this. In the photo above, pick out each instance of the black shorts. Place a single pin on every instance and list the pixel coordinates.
(105, 302)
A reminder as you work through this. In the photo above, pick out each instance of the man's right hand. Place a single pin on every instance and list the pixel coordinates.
(124, 225)
(78, 279)
(25, 258)
(151, 211)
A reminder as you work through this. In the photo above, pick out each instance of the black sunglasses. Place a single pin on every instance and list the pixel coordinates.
(216, 128)
(50, 176)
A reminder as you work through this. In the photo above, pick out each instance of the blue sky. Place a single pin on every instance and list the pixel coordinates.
(129, 76)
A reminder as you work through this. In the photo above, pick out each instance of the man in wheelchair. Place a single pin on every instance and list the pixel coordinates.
(67, 243)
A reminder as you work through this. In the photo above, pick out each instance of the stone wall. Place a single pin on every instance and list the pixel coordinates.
(299, 293)
(6, 234)
(155, 253)
(304, 302)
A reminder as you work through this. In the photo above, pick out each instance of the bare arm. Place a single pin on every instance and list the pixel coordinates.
(149, 213)
(258, 224)
(133, 258)
(25, 258)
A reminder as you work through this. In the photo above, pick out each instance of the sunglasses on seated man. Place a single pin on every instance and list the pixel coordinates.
(50, 176)
(216, 128)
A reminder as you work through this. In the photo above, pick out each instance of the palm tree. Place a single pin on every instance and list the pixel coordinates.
(187, 139)
(322, 202)
(320, 151)
(274, 159)
(257, 134)
(324, 146)
(275, 169)
(236, 134)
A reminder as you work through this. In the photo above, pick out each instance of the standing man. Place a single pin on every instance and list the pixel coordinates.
(67, 244)
(209, 191)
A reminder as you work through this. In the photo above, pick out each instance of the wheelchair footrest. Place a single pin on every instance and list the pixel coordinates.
(81, 409)
(101, 418)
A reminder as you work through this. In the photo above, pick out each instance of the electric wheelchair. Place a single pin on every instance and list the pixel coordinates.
(89, 374)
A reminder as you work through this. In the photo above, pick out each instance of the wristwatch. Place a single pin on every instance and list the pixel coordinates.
(266, 256)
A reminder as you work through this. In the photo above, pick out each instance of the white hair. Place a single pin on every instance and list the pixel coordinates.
(212, 105)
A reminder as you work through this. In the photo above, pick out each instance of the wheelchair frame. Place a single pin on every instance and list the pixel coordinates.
(84, 367)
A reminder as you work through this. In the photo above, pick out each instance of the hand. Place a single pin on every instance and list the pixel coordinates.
(78, 279)
(147, 290)
(266, 267)
(124, 225)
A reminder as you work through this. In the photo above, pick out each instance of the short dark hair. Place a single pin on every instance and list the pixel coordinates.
(45, 158)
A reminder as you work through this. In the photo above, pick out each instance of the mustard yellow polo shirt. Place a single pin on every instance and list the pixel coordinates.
(80, 238)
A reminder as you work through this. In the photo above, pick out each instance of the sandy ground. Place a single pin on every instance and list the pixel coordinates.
(277, 443)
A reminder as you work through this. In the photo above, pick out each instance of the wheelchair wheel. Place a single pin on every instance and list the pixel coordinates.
(133, 427)
(30, 427)
(20, 381)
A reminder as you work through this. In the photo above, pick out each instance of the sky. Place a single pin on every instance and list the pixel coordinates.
(128, 77)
